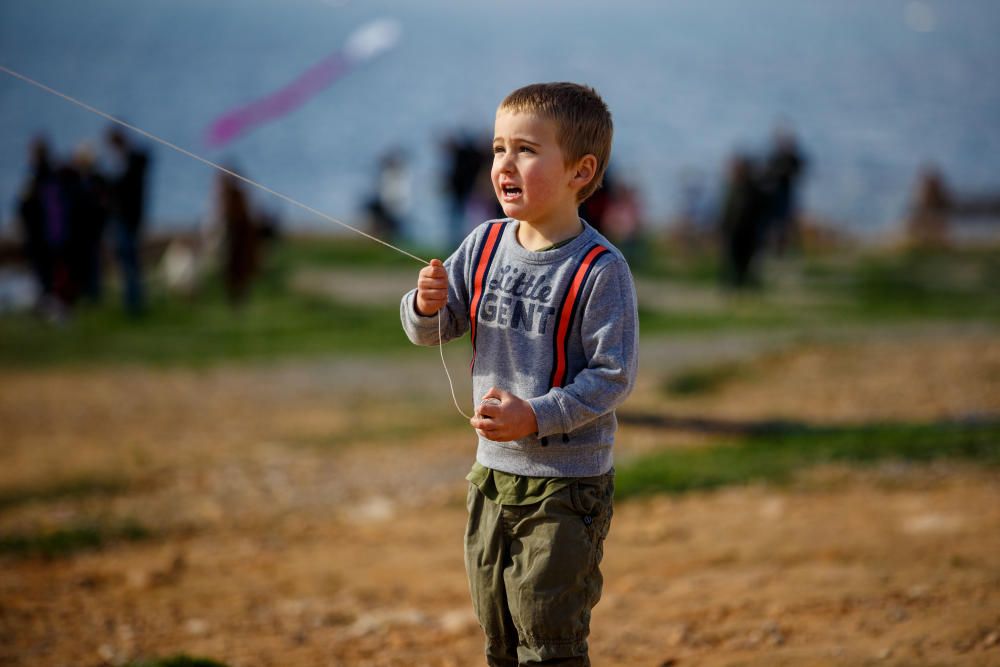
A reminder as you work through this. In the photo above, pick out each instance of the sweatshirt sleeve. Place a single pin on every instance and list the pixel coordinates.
(423, 330)
(610, 333)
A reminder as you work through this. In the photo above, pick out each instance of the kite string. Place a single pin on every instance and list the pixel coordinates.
(199, 158)
(284, 197)
(451, 384)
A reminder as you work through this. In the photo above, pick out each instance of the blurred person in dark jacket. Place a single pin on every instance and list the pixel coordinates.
(782, 172)
(128, 196)
(44, 212)
(931, 206)
(236, 222)
(89, 212)
(740, 224)
(466, 159)
(31, 215)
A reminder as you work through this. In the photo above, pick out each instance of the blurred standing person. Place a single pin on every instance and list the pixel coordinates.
(785, 166)
(389, 207)
(623, 220)
(45, 213)
(482, 203)
(234, 217)
(31, 214)
(465, 161)
(128, 197)
(927, 226)
(89, 202)
(740, 224)
(697, 216)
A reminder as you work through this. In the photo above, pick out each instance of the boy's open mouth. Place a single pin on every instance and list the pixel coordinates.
(511, 192)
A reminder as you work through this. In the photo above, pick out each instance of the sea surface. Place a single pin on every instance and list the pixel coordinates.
(873, 89)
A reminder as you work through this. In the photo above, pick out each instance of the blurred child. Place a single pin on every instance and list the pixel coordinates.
(551, 309)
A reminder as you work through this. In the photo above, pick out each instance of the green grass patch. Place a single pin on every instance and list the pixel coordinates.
(944, 284)
(280, 322)
(702, 380)
(743, 319)
(176, 661)
(83, 536)
(776, 456)
(860, 287)
(277, 322)
(665, 261)
(81, 487)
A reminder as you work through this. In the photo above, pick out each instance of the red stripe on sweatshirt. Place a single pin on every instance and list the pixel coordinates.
(562, 332)
(479, 277)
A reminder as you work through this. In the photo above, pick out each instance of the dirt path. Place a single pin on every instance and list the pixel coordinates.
(311, 514)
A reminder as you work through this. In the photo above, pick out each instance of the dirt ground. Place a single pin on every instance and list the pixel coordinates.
(311, 513)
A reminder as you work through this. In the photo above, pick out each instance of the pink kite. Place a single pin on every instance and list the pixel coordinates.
(365, 43)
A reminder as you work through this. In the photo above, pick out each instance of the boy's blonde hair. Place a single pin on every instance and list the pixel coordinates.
(583, 122)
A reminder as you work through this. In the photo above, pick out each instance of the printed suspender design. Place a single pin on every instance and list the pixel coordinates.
(567, 312)
(487, 251)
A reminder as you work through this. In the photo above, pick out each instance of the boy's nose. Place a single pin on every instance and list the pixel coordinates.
(504, 162)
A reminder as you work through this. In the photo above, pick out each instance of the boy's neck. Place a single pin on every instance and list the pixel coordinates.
(534, 236)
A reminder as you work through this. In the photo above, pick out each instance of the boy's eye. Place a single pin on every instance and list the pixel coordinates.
(527, 149)
(497, 150)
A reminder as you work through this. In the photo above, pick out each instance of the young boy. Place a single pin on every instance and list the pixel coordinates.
(551, 308)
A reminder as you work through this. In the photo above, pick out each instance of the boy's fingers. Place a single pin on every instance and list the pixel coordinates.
(481, 422)
(427, 283)
(433, 292)
(489, 410)
(434, 271)
(430, 278)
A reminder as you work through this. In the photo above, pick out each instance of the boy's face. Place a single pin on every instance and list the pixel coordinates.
(530, 175)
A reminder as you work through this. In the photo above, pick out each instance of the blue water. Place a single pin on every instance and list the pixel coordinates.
(873, 89)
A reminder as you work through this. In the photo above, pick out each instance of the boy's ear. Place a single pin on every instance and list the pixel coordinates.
(583, 171)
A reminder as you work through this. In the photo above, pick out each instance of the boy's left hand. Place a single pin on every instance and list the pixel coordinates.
(512, 419)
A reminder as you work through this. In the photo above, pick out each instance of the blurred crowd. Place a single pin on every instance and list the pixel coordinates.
(758, 207)
(66, 208)
(80, 214)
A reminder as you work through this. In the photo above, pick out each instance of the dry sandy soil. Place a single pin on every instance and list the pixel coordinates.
(311, 514)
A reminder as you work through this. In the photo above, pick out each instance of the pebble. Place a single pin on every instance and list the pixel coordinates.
(196, 626)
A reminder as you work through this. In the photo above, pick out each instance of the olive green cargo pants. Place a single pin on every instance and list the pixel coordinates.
(534, 572)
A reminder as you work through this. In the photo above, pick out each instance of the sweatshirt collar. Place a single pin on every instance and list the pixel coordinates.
(549, 256)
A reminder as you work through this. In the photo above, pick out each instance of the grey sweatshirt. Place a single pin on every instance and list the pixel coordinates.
(557, 328)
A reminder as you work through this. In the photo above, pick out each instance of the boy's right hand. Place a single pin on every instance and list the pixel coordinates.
(432, 288)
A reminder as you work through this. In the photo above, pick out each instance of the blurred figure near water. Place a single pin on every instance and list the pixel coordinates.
(389, 207)
(622, 220)
(46, 212)
(782, 171)
(740, 224)
(466, 159)
(32, 213)
(941, 216)
(696, 220)
(62, 211)
(89, 201)
(237, 228)
(927, 226)
(128, 198)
